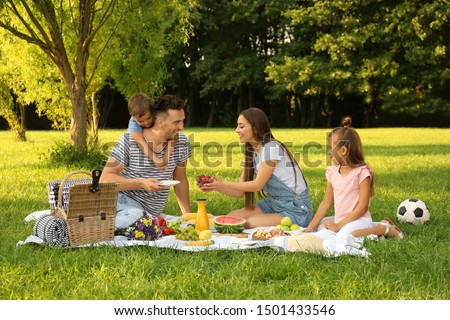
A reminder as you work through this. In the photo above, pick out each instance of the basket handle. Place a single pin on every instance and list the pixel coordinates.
(95, 181)
(63, 182)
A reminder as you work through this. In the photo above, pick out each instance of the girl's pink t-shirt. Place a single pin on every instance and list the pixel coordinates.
(346, 189)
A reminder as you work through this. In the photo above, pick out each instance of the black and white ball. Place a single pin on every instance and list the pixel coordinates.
(413, 211)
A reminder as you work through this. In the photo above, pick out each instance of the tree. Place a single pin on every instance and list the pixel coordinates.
(337, 56)
(391, 54)
(419, 36)
(223, 66)
(49, 26)
(65, 81)
(33, 79)
(152, 31)
(8, 110)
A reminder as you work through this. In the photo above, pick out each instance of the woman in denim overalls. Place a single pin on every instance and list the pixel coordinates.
(271, 170)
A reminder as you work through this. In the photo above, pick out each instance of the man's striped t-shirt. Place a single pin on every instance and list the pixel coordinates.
(137, 165)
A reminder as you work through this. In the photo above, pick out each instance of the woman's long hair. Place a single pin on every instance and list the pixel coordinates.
(262, 133)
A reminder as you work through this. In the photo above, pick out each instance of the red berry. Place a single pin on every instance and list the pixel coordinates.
(168, 231)
(161, 221)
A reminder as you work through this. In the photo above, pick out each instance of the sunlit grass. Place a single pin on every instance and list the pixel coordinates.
(407, 163)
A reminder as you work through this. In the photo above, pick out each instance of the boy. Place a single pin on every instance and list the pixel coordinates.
(142, 116)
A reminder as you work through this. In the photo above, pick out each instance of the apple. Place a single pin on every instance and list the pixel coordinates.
(295, 226)
(286, 221)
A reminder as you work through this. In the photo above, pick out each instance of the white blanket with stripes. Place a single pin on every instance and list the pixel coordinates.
(220, 243)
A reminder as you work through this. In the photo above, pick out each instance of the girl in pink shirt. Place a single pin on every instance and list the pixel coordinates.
(350, 187)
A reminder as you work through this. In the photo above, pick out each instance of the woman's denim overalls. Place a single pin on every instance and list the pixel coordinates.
(281, 199)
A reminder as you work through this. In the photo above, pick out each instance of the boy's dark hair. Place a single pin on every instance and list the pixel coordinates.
(138, 105)
(167, 102)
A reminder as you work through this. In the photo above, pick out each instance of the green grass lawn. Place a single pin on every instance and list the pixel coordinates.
(407, 163)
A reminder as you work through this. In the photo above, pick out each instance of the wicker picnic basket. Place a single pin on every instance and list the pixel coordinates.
(91, 209)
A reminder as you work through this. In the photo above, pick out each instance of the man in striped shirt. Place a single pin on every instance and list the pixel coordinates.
(137, 174)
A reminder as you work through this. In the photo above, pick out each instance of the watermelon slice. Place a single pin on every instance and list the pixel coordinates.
(228, 224)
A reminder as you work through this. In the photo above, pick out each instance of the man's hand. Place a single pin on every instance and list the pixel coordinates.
(152, 185)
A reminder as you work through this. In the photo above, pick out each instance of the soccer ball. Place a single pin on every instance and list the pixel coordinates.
(413, 211)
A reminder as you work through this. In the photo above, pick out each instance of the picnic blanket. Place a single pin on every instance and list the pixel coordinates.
(354, 246)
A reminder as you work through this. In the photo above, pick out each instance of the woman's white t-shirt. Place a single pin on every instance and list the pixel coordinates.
(284, 169)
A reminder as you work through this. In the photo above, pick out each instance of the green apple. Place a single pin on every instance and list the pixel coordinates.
(286, 221)
(285, 228)
(295, 227)
(278, 226)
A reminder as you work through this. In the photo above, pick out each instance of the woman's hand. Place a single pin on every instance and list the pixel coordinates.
(216, 185)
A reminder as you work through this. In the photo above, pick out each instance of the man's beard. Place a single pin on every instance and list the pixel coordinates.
(170, 136)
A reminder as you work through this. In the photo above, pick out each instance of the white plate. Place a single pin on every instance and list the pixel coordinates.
(169, 183)
(291, 233)
(244, 242)
(253, 230)
(294, 232)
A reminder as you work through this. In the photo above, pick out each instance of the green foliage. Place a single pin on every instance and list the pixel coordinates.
(233, 41)
(391, 53)
(9, 111)
(62, 154)
(31, 76)
(293, 57)
(407, 163)
(58, 55)
(148, 34)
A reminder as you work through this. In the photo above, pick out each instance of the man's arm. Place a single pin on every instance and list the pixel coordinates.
(182, 189)
(111, 172)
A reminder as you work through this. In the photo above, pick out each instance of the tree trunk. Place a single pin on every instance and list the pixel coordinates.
(251, 96)
(190, 104)
(212, 112)
(107, 105)
(22, 117)
(14, 121)
(297, 109)
(287, 112)
(78, 124)
(94, 117)
(240, 106)
(304, 103)
(366, 116)
(314, 110)
(327, 111)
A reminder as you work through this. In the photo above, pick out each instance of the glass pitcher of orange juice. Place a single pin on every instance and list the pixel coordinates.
(202, 221)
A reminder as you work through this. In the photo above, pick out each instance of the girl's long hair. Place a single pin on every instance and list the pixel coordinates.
(262, 133)
(349, 138)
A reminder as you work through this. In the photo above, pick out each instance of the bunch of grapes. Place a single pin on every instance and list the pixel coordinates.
(187, 234)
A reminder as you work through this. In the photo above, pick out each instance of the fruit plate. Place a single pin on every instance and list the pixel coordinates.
(168, 183)
(253, 230)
